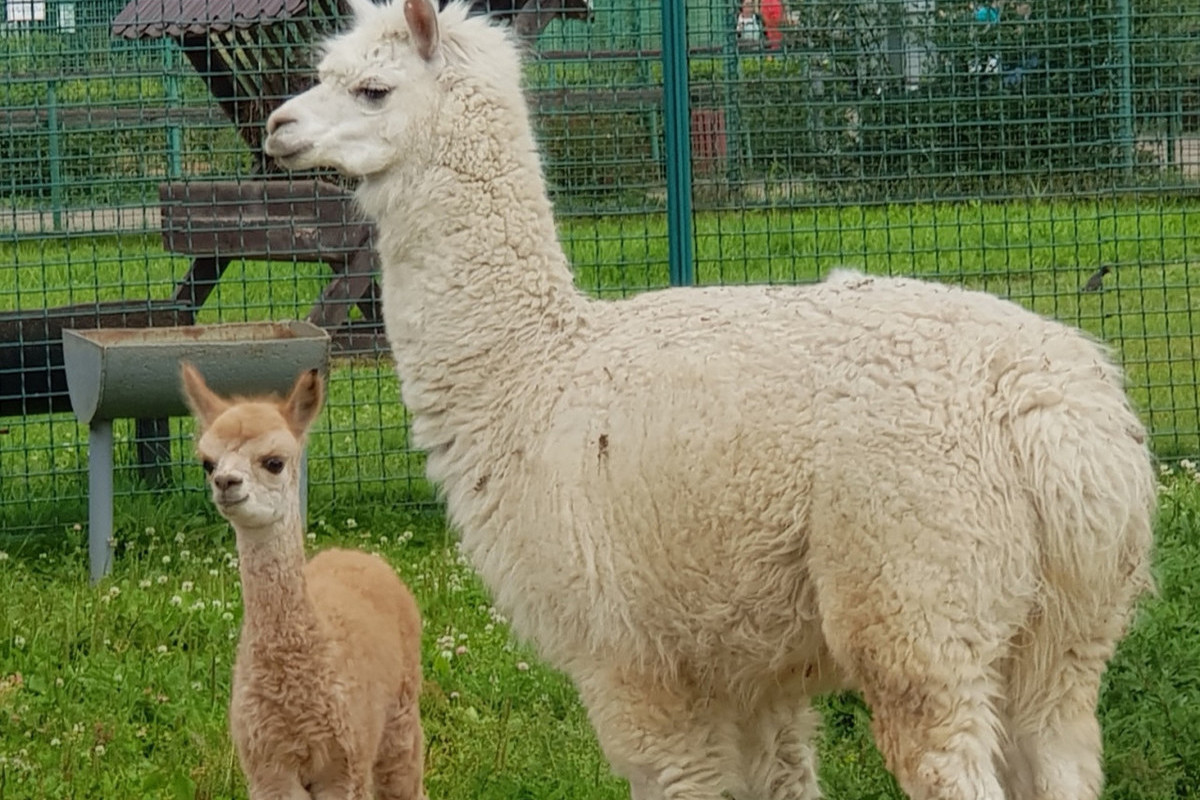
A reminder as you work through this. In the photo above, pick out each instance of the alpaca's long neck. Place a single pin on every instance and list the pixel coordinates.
(271, 563)
(478, 293)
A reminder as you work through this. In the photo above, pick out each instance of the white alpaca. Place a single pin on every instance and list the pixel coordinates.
(328, 671)
(706, 505)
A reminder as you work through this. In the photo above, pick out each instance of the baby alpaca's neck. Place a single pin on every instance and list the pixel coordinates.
(271, 563)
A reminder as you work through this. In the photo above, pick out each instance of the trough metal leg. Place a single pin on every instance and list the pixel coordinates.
(304, 489)
(100, 497)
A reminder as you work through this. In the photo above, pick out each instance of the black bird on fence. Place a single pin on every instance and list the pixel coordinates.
(1096, 282)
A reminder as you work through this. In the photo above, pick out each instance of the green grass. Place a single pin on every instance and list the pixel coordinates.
(120, 690)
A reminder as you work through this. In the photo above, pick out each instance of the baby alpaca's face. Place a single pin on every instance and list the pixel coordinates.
(251, 460)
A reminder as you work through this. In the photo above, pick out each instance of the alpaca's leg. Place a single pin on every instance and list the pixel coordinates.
(917, 612)
(779, 757)
(1054, 750)
(399, 768)
(670, 744)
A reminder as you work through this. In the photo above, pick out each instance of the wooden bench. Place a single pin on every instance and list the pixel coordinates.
(216, 222)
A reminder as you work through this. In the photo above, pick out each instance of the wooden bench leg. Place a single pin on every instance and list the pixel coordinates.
(353, 285)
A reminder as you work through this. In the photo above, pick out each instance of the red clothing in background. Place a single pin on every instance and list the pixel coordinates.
(772, 17)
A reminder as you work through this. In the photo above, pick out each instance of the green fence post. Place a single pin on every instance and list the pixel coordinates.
(677, 129)
(1125, 87)
(174, 131)
(733, 116)
(56, 182)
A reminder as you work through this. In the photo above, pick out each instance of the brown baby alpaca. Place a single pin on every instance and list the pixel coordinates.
(328, 670)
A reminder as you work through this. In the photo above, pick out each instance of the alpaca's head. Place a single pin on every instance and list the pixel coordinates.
(381, 85)
(251, 448)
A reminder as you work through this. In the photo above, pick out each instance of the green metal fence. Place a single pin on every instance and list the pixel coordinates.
(1017, 147)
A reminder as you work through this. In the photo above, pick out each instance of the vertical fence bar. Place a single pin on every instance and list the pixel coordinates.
(677, 130)
(1125, 84)
(171, 90)
(733, 117)
(55, 154)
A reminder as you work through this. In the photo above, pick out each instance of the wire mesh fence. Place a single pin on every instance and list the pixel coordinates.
(1045, 150)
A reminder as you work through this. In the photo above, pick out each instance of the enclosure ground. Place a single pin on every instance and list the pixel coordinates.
(120, 690)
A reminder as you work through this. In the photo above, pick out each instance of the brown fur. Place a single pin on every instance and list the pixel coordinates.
(328, 671)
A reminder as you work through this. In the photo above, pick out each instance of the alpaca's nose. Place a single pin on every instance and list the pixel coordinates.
(226, 482)
(278, 120)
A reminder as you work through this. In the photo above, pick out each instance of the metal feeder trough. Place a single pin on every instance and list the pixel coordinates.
(126, 372)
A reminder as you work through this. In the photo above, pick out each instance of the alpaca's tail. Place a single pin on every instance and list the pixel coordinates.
(1086, 466)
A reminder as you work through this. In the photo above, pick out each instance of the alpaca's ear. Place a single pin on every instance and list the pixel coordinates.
(304, 403)
(421, 17)
(203, 402)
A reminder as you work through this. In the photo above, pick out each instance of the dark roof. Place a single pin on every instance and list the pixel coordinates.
(153, 19)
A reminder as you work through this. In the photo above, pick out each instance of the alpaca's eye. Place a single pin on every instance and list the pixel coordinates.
(209, 466)
(273, 464)
(372, 94)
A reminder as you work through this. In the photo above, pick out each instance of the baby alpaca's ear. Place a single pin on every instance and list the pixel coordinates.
(203, 402)
(421, 17)
(304, 403)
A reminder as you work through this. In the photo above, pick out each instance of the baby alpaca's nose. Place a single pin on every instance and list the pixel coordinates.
(225, 482)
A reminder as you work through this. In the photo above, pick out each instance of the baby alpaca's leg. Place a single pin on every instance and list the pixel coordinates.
(670, 744)
(399, 766)
(268, 782)
(778, 751)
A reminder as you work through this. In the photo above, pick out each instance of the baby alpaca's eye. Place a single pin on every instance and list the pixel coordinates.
(372, 93)
(209, 466)
(273, 464)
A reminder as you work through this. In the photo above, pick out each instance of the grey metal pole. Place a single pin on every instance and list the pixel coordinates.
(100, 498)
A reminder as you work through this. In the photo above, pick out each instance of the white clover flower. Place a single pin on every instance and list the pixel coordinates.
(113, 591)
(161, 579)
(150, 531)
(58, 682)
(77, 527)
(214, 572)
(176, 600)
(19, 641)
(1164, 469)
(447, 655)
(383, 540)
(227, 616)
(166, 559)
(99, 749)
(489, 628)
(55, 742)
(454, 695)
(187, 586)
(217, 603)
(184, 555)
(179, 537)
(3, 556)
(162, 648)
(207, 560)
(407, 536)
(145, 583)
(197, 606)
(522, 666)
(351, 523)
(197, 686)
(312, 537)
